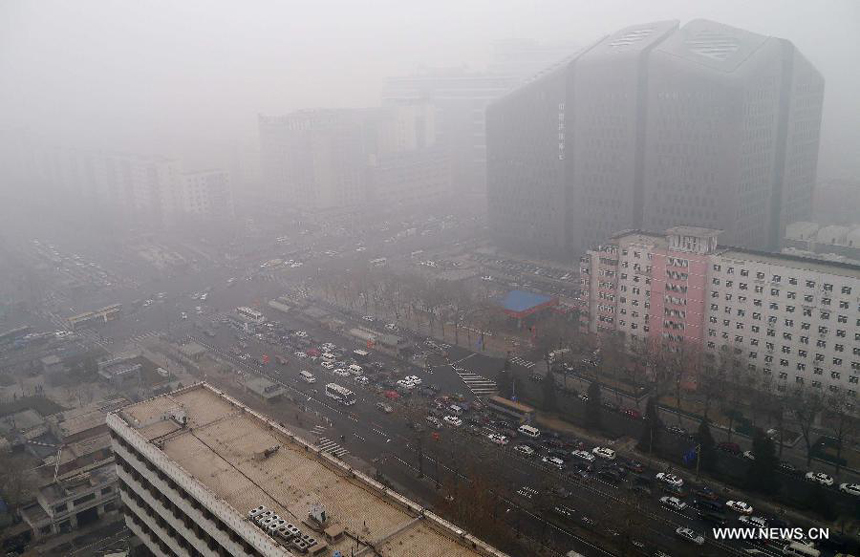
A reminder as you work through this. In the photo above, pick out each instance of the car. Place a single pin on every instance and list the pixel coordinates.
(583, 397)
(820, 478)
(381, 406)
(633, 413)
(300, 354)
(634, 466)
(564, 511)
(368, 318)
(391, 327)
(553, 461)
(525, 450)
(705, 505)
(753, 521)
(739, 507)
(584, 455)
(670, 479)
(340, 372)
(609, 476)
(850, 489)
(497, 438)
(748, 455)
(787, 468)
(673, 503)
(301, 334)
(183, 315)
(676, 430)
(731, 448)
(327, 365)
(604, 453)
(434, 422)
(361, 380)
(705, 492)
(689, 535)
(453, 421)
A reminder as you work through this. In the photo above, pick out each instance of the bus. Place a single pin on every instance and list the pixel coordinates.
(380, 262)
(250, 315)
(522, 413)
(340, 394)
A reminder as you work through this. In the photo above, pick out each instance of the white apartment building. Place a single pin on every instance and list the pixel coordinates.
(197, 470)
(795, 319)
(207, 194)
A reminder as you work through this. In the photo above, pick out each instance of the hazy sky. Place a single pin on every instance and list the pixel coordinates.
(187, 77)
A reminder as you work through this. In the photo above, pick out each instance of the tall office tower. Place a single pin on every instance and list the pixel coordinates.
(657, 126)
(201, 474)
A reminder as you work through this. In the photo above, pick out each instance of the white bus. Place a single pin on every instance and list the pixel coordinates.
(307, 377)
(340, 394)
(249, 314)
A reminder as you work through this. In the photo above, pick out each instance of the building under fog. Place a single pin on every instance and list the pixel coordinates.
(652, 127)
(338, 161)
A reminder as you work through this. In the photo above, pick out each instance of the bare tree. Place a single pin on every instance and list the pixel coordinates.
(805, 404)
(839, 415)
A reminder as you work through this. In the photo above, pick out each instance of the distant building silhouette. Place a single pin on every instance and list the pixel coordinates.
(657, 126)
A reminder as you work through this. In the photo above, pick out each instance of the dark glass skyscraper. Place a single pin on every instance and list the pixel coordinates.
(652, 127)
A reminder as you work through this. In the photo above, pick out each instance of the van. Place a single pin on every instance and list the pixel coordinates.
(800, 550)
(529, 431)
(455, 410)
(355, 369)
(307, 377)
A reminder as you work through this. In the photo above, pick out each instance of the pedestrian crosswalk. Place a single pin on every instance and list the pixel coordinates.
(143, 336)
(528, 364)
(318, 430)
(326, 445)
(478, 384)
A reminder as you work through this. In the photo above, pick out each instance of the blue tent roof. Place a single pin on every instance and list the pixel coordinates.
(520, 300)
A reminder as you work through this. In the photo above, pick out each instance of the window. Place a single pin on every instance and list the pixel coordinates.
(840, 333)
(843, 305)
(804, 340)
(729, 284)
(839, 347)
(842, 319)
(828, 287)
(835, 375)
(786, 350)
(810, 284)
(730, 271)
(759, 275)
(789, 323)
(791, 295)
(757, 316)
(713, 319)
(818, 371)
(792, 281)
(783, 362)
(754, 341)
(822, 330)
(825, 301)
(774, 306)
(755, 328)
(846, 290)
(789, 309)
(821, 344)
(776, 278)
(801, 367)
(717, 268)
(743, 286)
(807, 298)
(774, 291)
(715, 282)
(825, 315)
(745, 273)
(786, 336)
(759, 289)
(805, 326)
(741, 313)
(802, 353)
(739, 338)
(837, 361)
(807, 312)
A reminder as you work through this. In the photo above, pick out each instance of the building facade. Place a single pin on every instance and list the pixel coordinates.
(793, 319)
(657, 126)
(207, 195)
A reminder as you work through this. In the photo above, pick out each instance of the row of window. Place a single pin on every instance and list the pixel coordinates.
(778, 279)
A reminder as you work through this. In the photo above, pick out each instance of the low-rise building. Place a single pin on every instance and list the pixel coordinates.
(264, 388)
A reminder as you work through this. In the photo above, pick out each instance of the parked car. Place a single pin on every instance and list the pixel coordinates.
(452, 421)
(384, 407)
(676, 430)
(850, 489)
(584, 455)
(753, 521)
(731, 448)
(634, 466)
(498, 439)
(704, 492)
(748, 455)
(820, 478)
(525, 450)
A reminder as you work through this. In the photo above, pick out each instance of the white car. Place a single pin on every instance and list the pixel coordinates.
(670, 479)
(362, 380)
(434, 422)
(748, 455)
(604, 453)
(341, 372)
(819, 477)
(327, 365)
(301, 334)
(753, 521)
(525, 450)
(850, 489)
(584, 455)
(183, 315)
(299, 354)
(406, 384)
(673, 503)
(740, 507)
(497, 438)
(368, 318)
(553, 461)
(391, 327)
(689, 535)
(412, 379)
(453, 421)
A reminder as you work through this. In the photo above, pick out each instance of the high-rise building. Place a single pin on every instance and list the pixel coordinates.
(342, 160)
(201, 474)
(793, 319)
(207, 194)
(656, 126)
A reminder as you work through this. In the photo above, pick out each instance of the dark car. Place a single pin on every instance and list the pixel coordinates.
(707, 506)
(705, 492)
(634, 466)
(715, 518)
(633, 413)
(787, 468)
(642, 490)
(731, 448)
(609, 405)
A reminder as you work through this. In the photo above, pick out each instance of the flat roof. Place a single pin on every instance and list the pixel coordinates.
(813, 263)
(522, 300)
(223, 448)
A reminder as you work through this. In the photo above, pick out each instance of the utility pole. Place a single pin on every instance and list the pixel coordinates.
(698, 459)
